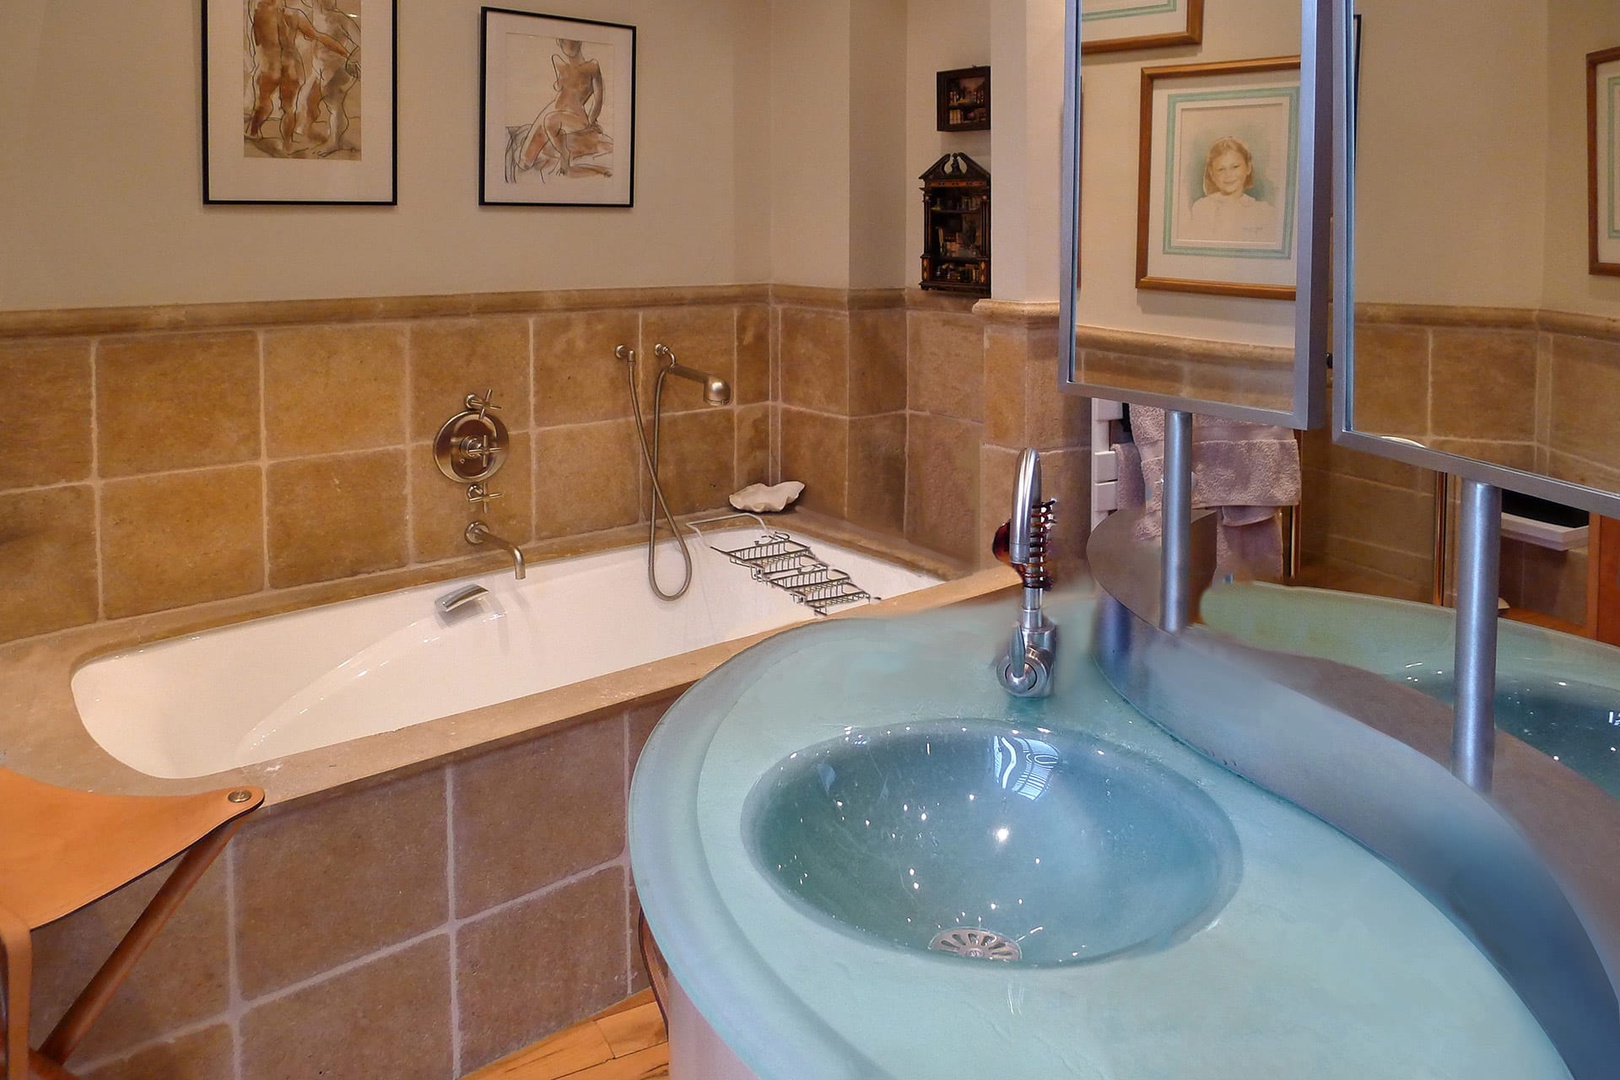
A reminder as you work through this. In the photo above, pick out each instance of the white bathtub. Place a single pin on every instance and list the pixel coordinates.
(289, 683)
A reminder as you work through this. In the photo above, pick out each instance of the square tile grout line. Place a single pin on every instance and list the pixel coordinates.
(412, 555)
(450, 912)
(455, 924)
(629, 883)
(264, 466)
(95, 479)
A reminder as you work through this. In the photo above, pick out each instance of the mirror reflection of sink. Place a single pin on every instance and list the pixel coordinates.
(994, 842)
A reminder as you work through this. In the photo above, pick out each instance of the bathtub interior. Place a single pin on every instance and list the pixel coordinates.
(264, 689)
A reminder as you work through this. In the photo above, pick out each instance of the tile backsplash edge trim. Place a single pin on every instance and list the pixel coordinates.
(78, 322)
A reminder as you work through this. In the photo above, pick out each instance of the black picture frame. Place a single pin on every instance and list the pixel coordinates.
(270, 140)
(557, 110)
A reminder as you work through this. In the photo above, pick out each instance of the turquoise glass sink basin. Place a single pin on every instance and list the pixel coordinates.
(977, 838)
(1571, 721)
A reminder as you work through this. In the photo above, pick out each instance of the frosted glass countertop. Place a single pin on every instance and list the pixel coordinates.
(1323, 963)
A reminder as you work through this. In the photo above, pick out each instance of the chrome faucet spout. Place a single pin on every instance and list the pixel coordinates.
(479, 533)
(1026, 670)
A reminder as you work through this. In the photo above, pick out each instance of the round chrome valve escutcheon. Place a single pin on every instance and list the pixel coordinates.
(472, 445)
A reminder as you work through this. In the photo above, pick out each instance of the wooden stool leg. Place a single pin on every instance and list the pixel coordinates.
(16, 978)
(657, 971)
(75, 1023)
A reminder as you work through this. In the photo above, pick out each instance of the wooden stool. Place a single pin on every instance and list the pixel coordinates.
(61, 850)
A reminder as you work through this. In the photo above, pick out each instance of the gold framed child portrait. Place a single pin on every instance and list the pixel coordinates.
(1218, 182)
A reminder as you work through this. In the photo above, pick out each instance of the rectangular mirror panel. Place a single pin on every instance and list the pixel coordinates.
(1486, 334)
(1199, 180)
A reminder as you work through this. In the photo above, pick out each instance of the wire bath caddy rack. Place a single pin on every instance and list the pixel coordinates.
(777, 559)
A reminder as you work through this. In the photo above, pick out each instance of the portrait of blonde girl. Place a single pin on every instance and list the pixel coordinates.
(1227, 212)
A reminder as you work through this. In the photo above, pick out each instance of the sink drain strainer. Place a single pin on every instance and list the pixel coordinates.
(976, 943)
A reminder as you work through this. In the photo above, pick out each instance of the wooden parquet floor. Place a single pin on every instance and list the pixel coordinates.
(625, 1042)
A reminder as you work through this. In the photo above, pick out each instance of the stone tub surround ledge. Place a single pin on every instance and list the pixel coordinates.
(405, 859)
(44, 738)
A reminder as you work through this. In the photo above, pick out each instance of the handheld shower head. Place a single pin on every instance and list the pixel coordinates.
(716, 391)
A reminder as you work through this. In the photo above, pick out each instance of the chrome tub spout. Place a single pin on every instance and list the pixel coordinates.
(480, 533)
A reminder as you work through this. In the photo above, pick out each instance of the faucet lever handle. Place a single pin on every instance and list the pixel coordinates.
(482, 405)
(480, 494)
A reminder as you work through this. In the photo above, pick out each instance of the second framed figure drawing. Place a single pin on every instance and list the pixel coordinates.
(558, 125)
(1218, 187)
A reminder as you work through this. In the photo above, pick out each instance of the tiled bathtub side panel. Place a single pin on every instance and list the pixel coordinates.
(410, 928)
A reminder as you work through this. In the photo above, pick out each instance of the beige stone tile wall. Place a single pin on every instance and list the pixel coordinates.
(159, 469)
(280, 445)
(1580, 439)
(1531, 381)
(421, 926)
(1543, 580)
(1366, 518)
(1372, 518)
(1024, 407)
(905, 412)
(1258, 376)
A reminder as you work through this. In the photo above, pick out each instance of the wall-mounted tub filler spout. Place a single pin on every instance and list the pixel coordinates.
(1026, 670)
(479, 533)
(716, 391)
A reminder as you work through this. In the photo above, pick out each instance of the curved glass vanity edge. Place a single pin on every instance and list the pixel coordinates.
(759, 973)
(1313, 291)
(1446, 839)
(680, 858)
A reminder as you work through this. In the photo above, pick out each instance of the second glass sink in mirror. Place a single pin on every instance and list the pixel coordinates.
(986, 840)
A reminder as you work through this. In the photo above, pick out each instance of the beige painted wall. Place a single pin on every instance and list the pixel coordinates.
(1451, 177)
(942, 35)
(1108, 294)
(809, 177)
(879, 80)
(1027, 43)
(1500, 142)
(776, 140)
(1577, 27)
(101, 168)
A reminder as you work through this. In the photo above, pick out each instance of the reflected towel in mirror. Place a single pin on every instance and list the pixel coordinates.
(1246, 471)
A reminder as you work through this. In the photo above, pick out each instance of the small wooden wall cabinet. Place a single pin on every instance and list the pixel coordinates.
(956, 226)
(963, 99)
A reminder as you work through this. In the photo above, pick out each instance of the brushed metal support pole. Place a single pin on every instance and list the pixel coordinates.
(1479, 541)
(1175, 586)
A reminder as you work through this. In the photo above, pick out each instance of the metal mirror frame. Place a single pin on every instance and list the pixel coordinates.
(1313, 287)
(1592, 500)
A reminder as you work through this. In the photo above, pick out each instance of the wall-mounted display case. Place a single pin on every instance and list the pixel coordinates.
(956, 226)
(964, 99)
